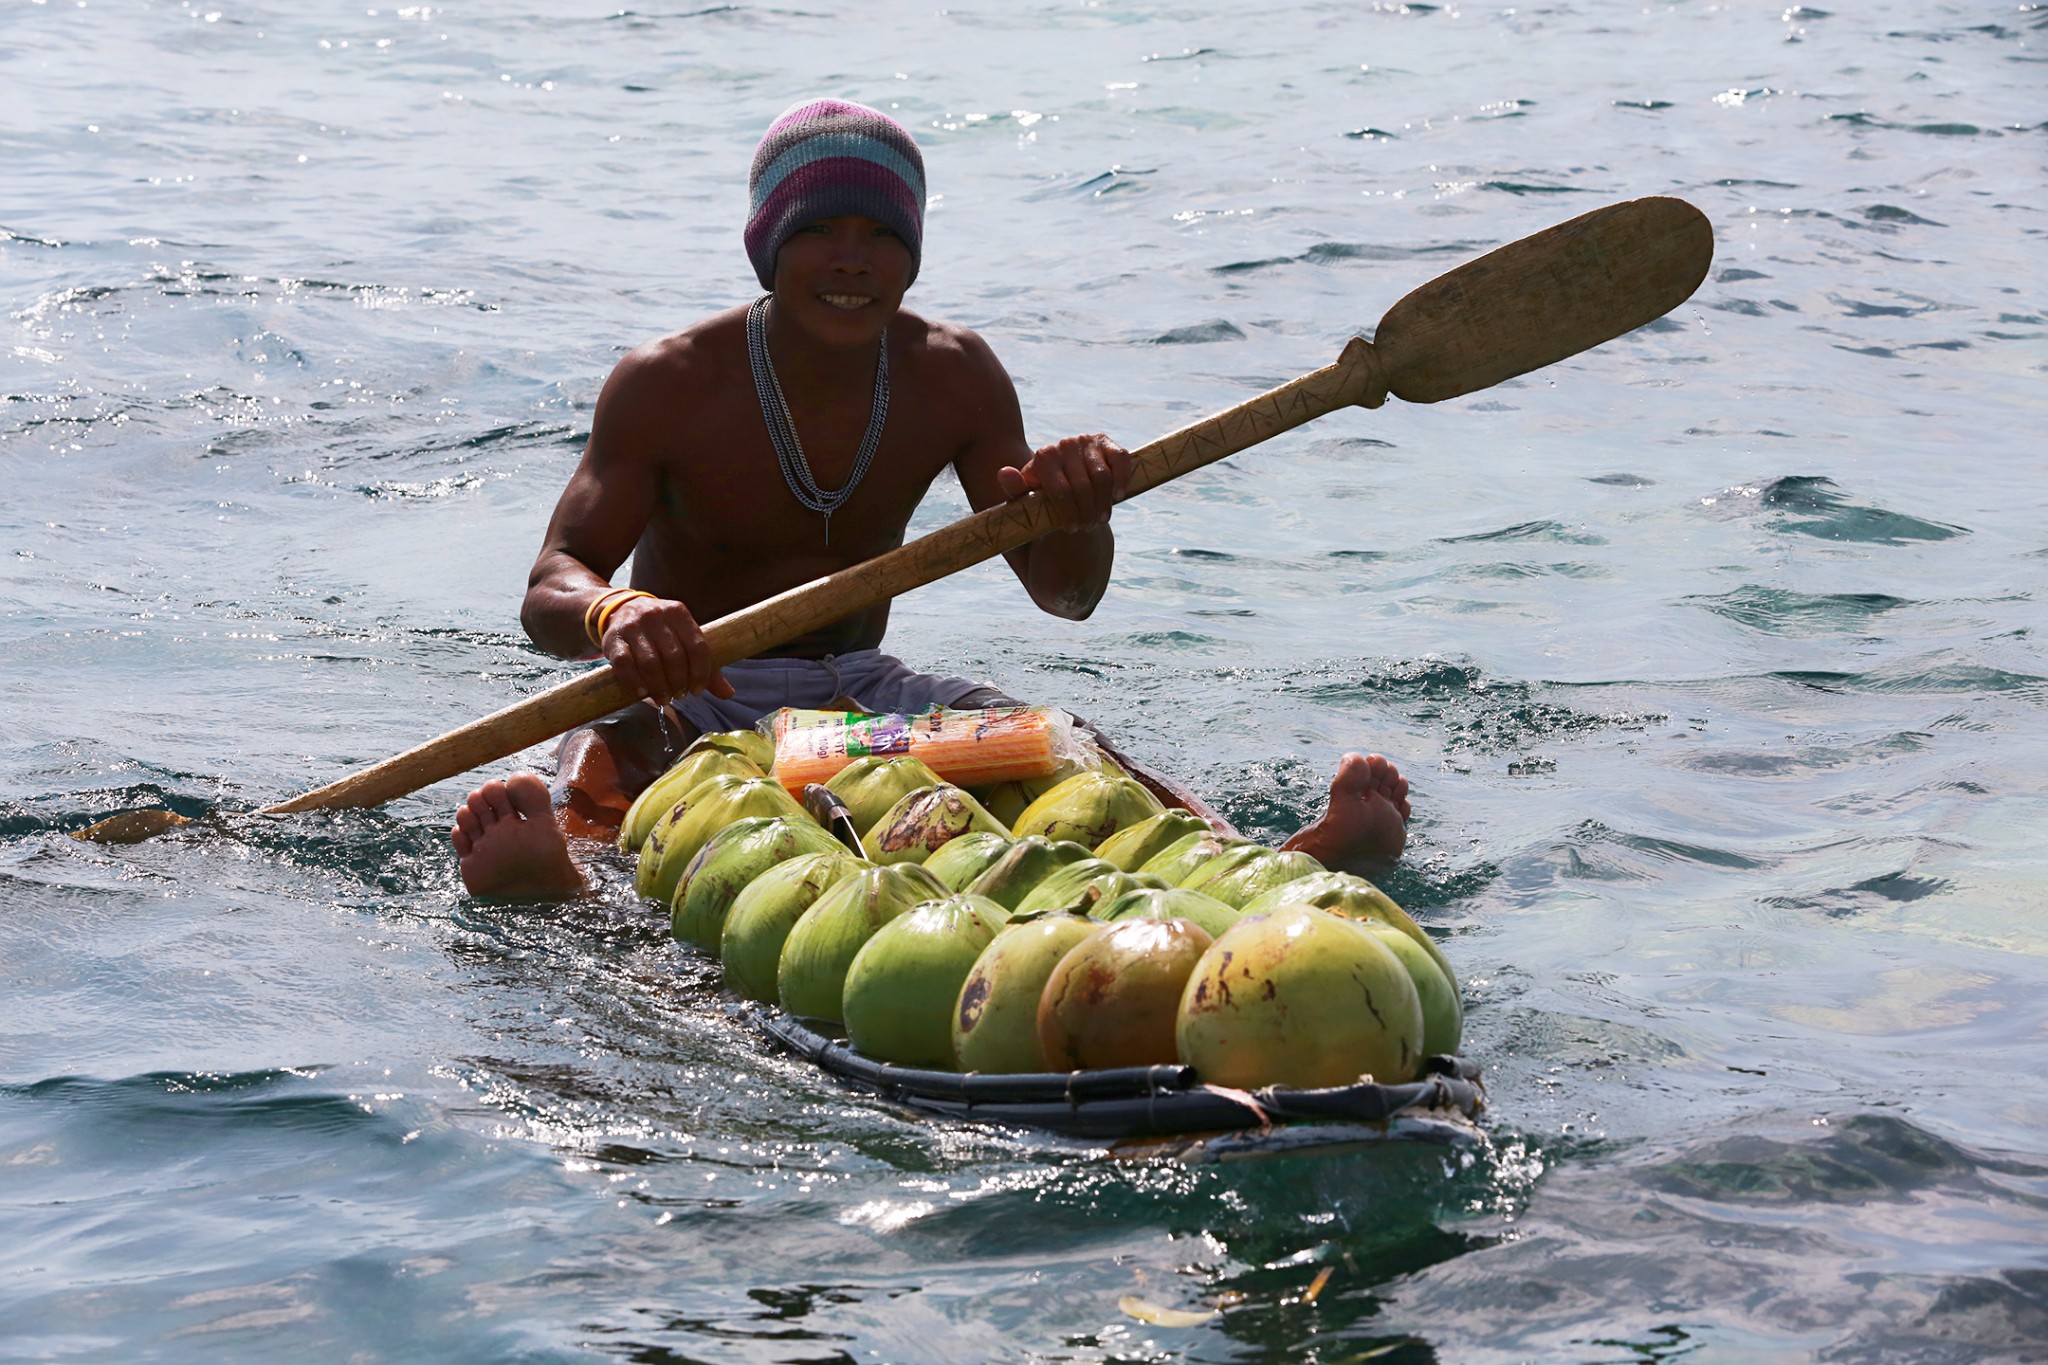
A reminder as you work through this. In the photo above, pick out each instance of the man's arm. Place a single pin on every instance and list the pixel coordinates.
(655, 645)
(1066, 571)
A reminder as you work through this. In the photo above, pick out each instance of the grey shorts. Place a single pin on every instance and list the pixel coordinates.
(872, 680)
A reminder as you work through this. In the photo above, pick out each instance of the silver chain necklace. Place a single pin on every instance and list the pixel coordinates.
(789, 451)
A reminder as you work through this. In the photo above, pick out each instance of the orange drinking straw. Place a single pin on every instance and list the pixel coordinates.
(966, 748)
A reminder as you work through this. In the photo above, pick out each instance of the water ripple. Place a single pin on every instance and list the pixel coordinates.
(1759, 880)
(1813, 505)
(1781, 611)
(1471, 711)
(1551, 531)
(1902, 1268)
(1934, 674)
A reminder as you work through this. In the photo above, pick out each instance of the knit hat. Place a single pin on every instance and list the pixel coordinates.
(826, 158)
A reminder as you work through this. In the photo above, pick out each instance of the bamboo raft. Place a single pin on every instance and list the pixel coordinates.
(1161, 1102)
(1160, 1108)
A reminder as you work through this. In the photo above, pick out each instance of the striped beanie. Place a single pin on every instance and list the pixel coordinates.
(826, 158)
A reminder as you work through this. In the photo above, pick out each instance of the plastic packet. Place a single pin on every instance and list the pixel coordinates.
(966, 748)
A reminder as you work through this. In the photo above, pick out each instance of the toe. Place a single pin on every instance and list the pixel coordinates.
(1354, 773)
(493, 800)
(529, 796)
(1383, 776)
(1388, 782)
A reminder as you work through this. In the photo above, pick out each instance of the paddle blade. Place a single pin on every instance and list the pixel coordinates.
(130, 827)
(1551, 295)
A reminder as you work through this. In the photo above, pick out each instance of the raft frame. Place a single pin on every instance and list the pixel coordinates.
(1150, 1102)
(1161, 1109)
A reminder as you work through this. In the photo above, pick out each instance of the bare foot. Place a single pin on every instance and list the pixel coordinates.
(507, 840)
(1366, 825)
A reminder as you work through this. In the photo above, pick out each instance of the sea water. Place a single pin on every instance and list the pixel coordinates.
(1714, 656)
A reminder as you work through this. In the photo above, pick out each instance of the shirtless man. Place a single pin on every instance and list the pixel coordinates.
(771, 445)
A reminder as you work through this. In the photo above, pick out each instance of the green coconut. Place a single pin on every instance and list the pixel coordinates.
(1114, 999)
(924, 821)
(959, 861)
(903, 985)
(1353, 897)
(672, 786)
(1173, 863)
(1241, 874)
(732, 858)
(749, 744)
(1443, 1016)
(1088, 807)
(1066, 888)
(869, 786)
(1300, 997)
(1134, 846)
(1026, 863)
(1341, 892)
(1008, 800)
(710, 806)
(995, 1020)
(762, 915)
(1173, 902)
(810, 978)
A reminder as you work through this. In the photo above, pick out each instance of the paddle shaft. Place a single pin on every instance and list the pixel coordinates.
(1526, 305)
(787, 615)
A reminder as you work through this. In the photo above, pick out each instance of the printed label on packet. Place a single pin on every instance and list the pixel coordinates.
(878, 736)
(969, 748)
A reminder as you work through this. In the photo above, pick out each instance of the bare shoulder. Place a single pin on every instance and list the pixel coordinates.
(971, 403)
(955, 356)
(682, 365)
(665, 393)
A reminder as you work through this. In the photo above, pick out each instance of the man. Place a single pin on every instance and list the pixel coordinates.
(773, 444)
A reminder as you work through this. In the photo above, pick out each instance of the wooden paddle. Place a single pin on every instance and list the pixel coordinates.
(1524, 306)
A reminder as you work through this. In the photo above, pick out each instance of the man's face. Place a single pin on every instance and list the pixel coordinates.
(842, 279)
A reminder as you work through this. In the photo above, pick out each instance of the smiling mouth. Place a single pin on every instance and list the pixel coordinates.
(847, 301)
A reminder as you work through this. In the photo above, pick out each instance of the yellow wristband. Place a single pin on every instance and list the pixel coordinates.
(591, 631)
(604, 617)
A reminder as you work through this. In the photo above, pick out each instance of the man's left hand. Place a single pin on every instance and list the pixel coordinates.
(1080, 477)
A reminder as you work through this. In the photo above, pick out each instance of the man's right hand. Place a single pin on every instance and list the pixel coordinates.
(658, 651)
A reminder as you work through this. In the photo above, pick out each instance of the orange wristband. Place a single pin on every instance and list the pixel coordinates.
(604, 617)
(591, 631)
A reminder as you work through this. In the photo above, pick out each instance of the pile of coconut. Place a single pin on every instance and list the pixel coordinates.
(1095, 929)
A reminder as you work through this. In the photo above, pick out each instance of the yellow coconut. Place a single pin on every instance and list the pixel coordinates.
(869, 786)
(995, 1020)
(1353, 897)
(708, 808)
(924, 821)
(1113, 1000)
(672, 786)
(1087, 808)
(1132, 847)
(1300, 997)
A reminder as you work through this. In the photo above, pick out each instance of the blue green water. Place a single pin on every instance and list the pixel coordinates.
(1714, 656)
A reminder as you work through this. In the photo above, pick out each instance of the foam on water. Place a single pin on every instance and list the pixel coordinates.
(1713, 656)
